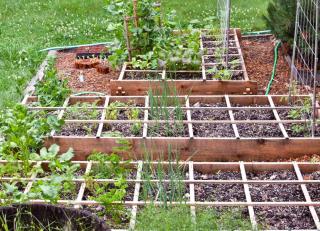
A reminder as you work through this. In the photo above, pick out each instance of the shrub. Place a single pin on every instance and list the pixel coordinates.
(281, 19)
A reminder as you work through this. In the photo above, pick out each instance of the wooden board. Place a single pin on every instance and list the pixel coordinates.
(196, 149)
(185, 87)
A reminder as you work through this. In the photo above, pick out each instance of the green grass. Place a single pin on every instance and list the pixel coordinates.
(179, 218)
(28, 25)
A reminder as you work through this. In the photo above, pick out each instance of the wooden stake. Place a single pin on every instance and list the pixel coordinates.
(127, 37)
(135, 14)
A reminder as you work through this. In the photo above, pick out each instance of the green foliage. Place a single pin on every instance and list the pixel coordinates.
(23, 132)
(159, 102)
(107, 193)
(52, 91)
(281, 19)
(61, 172)
(83, 111)
(113, 111)
(179, 218)
(154, 45)
(303, 113)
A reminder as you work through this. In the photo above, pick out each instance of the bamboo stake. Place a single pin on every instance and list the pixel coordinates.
(127, 37)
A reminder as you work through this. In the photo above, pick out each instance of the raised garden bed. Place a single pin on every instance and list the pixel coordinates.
(274, 195)
(238, 127)
(213, 78)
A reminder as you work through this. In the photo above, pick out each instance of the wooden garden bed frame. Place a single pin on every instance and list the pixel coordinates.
(299, 168)
(197, 148)
(201, 86)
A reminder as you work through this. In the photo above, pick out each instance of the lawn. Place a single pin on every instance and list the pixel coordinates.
(27, 26)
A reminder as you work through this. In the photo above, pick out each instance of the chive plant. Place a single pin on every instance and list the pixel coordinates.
(174, 190)
(160, 101)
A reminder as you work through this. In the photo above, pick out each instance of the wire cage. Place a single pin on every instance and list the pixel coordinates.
(304, 65)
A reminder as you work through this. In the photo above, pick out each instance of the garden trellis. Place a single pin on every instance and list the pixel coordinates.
(223, 13)
(305, 51)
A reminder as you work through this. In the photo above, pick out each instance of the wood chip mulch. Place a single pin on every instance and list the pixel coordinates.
(92, 79)
(259, 58)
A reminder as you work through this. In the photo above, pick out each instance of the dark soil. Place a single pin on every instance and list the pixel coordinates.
(285, 218)
(172, 129)
(219, 192)
(292, 217)
(142, 75)
(123, 129)
(254, 114)
(314, 189)
(232, 51)
(184, 75)
(275, 192)
(212, 59)
(214, 38)
(257, 130)
(211, 130)
(78, 130)
(209, 114)
(209, 44)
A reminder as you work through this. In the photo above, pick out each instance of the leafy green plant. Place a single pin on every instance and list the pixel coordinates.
(133, 114)
(83, 110)
(107, 193)
(223, 74)
(113, 111)
(23, 133)
(152, 38)
(11, 193)
(52, 91)
(61, 172)
(301, 113)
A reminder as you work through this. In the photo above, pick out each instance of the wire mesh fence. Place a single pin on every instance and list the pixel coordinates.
(305, 54)
(223, 14)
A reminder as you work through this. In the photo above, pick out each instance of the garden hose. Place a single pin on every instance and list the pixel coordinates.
(89, 92)
(76, 46)
(263, 32)
(276, 49)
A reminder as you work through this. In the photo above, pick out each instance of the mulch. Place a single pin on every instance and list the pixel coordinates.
(93, 80)
(259, 58)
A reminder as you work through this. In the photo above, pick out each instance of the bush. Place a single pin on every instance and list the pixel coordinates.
(281, 19)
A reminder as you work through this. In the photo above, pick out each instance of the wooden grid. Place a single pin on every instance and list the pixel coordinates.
(200, 81)
(233, 104)
(300, 169)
